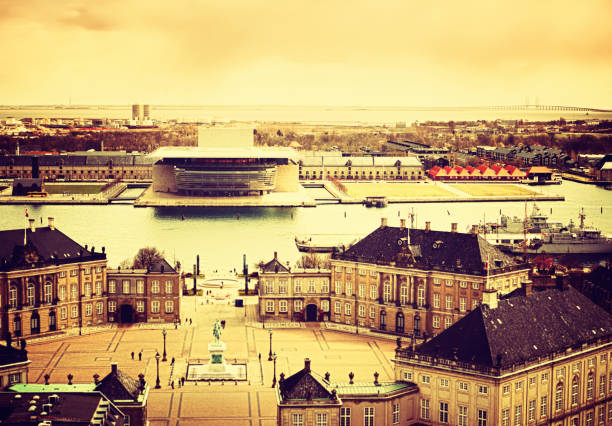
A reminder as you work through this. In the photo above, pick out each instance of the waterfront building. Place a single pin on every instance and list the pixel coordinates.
(402, 280)
(536, 358)
(49, 284)
(423, 151)
(395, 280)
(14, 364)
(144, 295)
(360, 168)
(293, 294)
(306, 398)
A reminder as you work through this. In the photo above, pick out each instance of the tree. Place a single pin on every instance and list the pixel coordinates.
(147, 257)
(313, 260)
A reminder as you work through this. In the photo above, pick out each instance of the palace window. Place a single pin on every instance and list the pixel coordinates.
(325, 305)
(48, 292)
(435, 321)
(112, 286)
(140, 286)
(424, 409)
(373, 292)
(483, 389)
(169, 306)
(337, 307)
(448, 321)
(282, 286)
(88, 289)
(462, 304)
(462, 418)
(168, 286)
(297, 286)
(373, 314)
(155, 306)
(544, 406)
(449, 301)
(404, 294)
(421, 296)
(73, 291)
(518, 415)
(449, 283)
(270, 306)
(322, 419)
(30, 294)
(347, 309)
(345, 416)
(112, 306)
(338, 287)
(297, 419)
(368, 416)
(436, 300)
(559, 397)
(325, 286)
(282, 306)
(63, 313)
(505, 417)
(482, 417)
(297, 305)
(589, 387)
(13, 296)
(74, 311)
(155, 287)
(99, 308)
(349, 289)
(88, 309)
(362, 311)
(575, 391)
(602, 384)
(140, 305)
(362, 290)
(99, 288)
(463, 386)
(387, 292)
(531, 412)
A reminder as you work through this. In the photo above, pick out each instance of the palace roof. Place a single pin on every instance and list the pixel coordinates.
(521, 329)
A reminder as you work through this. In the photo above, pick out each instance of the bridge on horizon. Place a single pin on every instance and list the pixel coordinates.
(536, 108)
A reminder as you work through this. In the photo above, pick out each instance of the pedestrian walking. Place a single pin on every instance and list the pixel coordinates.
(190, 321)
(132, 355)
(140, 356)
(172, 362)
(260, 357)
(172, 384)
(182, 381)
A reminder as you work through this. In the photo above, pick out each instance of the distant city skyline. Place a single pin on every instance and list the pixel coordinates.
(470, 53)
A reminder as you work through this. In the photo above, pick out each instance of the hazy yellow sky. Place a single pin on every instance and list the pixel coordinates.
(314, 52)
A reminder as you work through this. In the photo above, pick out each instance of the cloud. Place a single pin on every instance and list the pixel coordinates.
(199, 49)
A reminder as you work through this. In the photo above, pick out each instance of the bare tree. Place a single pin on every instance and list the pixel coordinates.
(313, 260)
(147, 257)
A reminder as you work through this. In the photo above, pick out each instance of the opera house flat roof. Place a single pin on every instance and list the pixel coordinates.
(229, 152)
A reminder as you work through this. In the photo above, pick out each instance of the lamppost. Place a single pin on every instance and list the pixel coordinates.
(270, 353)
(157, 386)
(274, 374)
(164, 334)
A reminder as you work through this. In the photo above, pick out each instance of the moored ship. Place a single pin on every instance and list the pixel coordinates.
(325, 243)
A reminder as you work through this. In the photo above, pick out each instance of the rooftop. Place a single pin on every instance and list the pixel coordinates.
(229, 152)
(519, 330)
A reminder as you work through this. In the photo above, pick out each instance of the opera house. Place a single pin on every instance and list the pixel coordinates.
(225, 164)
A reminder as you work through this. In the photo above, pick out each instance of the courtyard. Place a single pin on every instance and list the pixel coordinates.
(250, 402)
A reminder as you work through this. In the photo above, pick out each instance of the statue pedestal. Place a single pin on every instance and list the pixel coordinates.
(217, 362)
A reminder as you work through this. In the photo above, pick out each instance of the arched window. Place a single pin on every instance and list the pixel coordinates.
(399, 322)
(383, 320)
(575, 391)
(386, 292)
(35, 323)
(52, 321)
(13, 296)
(48, 292)
(589, 387)
(559, 397)
(31, 294)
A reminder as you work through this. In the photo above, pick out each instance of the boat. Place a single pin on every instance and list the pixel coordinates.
(325, 243)
(375, 201)
(536, 235)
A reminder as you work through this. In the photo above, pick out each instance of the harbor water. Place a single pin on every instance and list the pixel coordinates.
(222, 235)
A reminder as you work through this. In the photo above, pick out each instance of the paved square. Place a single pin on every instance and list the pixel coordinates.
(250, 402)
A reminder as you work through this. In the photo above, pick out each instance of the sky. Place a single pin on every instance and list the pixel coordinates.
(310, 52)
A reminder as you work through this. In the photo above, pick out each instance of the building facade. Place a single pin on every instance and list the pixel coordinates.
(306, 398)
(293, 294)
(360, 168)
(141, 295)
(534, 359)
(52, 283)
(14, 364)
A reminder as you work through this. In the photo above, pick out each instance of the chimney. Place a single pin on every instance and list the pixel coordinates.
(376, 378)
(402, 223)
(32, 227)
(527, 287)
(454, 227)
(489, 298)
(383, 222)
(475, 229)
(307, 364)
(275, 255)
(96, 378)
(427, 226)
(114, 367)
(51, 223)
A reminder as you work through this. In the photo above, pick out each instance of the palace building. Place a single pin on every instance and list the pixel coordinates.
(396, 280)
(535, 358)
(49, 283)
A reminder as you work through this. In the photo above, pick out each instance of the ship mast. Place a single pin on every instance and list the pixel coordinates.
(525, 234)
